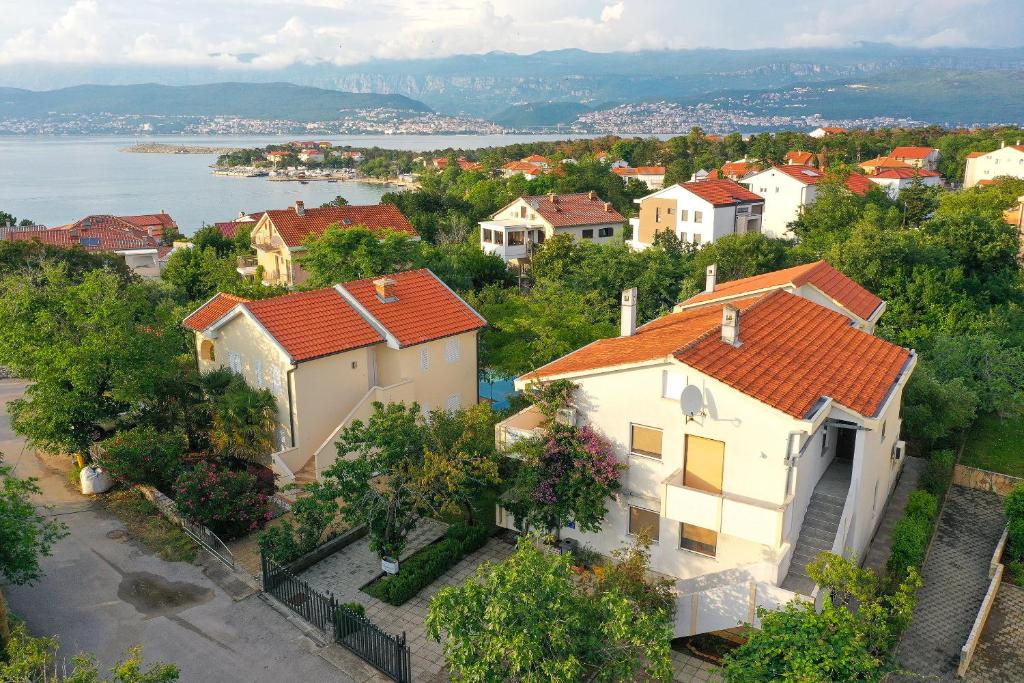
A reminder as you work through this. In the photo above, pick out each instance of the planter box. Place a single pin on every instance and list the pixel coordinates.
(327, 549)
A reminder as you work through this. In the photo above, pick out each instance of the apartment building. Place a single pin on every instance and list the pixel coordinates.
(328, 354)
(278, 236)
(1008, 161)
(787, 189)
(513, 231)
(652, 176)
(917, 157)
(760, 424)
(697, 212)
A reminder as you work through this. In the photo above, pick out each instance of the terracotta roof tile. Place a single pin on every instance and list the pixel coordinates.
(738, 169)
(211, 311)
(858, 184)
(911, 152)
(426, 309)
(793, 352)
(899, 173)
(799, 157)
(975, 155)
(163, 220)
(884, 162)
(377, 217)
(722, 192)
(808, 175)
(94, 233)
(649, 170)
(574, 209)
(820, 274)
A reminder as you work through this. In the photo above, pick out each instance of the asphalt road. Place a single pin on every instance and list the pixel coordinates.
(103, 593)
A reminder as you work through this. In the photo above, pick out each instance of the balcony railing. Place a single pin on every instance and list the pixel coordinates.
(691, 506)
(753, 520)
(523, 425)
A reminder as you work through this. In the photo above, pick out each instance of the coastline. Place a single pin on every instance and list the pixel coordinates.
(165, 148)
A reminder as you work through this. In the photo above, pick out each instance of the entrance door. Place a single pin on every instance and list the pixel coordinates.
(705, 460)
(846, 440)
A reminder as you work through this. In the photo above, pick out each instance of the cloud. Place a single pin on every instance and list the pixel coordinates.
(286, 32)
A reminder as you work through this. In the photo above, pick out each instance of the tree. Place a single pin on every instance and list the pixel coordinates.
(244, 419)
(354, 253)
(918, 201)
(528, 620)
(25, 535)
(372, 476)
(210, 236)
(32, 256)
(198, 273)
(567, 474)
(337, 201)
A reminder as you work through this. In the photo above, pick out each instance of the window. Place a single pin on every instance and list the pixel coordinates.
(516, 238)
(705, 459)
(647, 521)
(522, 212)
(424, 358)
(499, 237)
(698, 216)
(451, 350)
(657, 214)
(698, 539)
(645, 441)
(696, 238)
(682, 236)
(488, 235)
(235, 362)
(206, 350)
(453, 402)
(541, 236)
(260, 382)
(275, 379)
(605, 232)
(588, 234)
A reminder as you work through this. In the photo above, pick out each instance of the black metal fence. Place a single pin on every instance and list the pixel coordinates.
(386, 652)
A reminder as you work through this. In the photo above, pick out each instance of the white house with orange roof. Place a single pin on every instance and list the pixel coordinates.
(1006, 161)
(799, 157)
(896, 179)
(787, 189)
(513, 231)
(760, 424)
(278, 236)
(917, 157)
(652, 176)
(698, 212)
(328, 354)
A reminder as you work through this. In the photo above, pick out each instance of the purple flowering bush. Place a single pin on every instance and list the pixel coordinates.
(229, 503)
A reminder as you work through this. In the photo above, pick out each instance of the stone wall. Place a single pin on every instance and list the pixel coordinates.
(984, 480)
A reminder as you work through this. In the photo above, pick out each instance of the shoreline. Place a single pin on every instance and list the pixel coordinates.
(166, 148)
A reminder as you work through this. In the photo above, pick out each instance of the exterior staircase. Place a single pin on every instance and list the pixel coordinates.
(821, 522)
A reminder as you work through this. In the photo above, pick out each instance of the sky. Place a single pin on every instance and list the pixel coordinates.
(270, 34)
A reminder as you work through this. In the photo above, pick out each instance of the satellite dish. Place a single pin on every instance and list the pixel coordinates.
(691, 400)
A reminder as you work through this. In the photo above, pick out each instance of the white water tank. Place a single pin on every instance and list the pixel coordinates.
(94, 480)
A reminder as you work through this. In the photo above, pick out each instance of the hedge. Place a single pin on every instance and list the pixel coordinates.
(911, 533)
(938, 472)
(424, 566)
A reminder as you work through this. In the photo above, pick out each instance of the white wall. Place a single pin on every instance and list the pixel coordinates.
(784, 196)
(1005, 161)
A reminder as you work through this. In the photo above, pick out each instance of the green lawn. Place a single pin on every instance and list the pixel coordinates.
(996, 444)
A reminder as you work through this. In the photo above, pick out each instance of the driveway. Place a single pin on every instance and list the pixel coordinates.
(104, 594)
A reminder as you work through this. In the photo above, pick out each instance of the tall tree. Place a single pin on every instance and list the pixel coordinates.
(341, 255)
(25, 534)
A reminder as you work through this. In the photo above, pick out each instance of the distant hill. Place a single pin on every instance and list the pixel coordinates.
(251, 100)
(540, 114)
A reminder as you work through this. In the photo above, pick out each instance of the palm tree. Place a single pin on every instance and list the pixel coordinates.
(244, 420)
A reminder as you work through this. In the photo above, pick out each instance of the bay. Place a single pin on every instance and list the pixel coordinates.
(57, 180)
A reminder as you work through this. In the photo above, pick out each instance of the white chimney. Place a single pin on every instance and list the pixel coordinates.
(300, 207)
(1002, 144)
(711, 278)
(628, 324)
(731, 325)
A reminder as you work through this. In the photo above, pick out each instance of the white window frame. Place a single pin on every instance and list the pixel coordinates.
(629, 522)
(258, 369)
(453, 402)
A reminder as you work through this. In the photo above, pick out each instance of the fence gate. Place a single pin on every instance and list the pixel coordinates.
(387, 653)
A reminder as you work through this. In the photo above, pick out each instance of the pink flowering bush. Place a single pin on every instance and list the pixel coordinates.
(229, 503)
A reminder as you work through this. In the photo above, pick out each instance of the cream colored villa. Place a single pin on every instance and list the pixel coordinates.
(511, 232)
(328, 354)
(278, 236)
(760, 422)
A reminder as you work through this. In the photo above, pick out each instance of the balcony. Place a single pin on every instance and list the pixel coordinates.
(247, 266)
(726, 513)
(509, 240)
(691, 506)
(525, 424)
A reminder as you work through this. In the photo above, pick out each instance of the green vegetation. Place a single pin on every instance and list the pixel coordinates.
(228, 502)
(911, 533)
(1014, 557)
(529, 619)
(25, 534)
(994, 443)
(144, 455)
(145, 524)
(313, 519)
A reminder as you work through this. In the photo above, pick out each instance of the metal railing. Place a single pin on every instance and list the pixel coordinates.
(209, 540)
(387, 653)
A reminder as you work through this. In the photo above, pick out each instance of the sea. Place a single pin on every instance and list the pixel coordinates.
(57, 180)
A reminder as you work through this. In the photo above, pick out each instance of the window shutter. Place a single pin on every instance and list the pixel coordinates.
(451, 350)
(424, 358)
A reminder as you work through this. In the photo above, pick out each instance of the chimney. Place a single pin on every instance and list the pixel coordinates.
(241, 214)
(593, 195)
(711, 278)
(627, 327)
(731, 325)
(1002, 144)
(300, 207)
(385, 287)
(607, 207)
(552, 198)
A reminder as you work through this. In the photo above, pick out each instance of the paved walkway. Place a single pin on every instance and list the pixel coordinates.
(955, 581)
(1000, 654)
(881, 544)
(689, 669)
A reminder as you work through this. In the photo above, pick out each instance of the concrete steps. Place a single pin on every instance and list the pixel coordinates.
(818, 531)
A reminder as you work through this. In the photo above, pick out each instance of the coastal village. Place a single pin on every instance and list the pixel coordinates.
(694, 398)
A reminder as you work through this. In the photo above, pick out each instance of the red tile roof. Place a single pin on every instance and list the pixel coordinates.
(649, 170)
(738, 169)
(536, 159)
(426, 308)
(211, 311)
(158, 221)
(721, 192)
(377, 217)
(520, 166)
(569, 210)
(884, 162)
(794, 352)
(798, 157)
(975, 155)
(808, 175)
(898, 173)
(624, 170)
(911, 152)
(93, 233)
(820, 274)
(858, 184)
(833, 130)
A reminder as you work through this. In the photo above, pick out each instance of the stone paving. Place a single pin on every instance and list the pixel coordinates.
(881, 544)
(689, 669)
(955, 581)
(1000, 654)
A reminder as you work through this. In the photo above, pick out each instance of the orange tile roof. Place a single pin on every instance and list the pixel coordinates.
(911, 152)
(624, 170)
(740, 168)
(884, 162)
(858, 184)
(808, 175)
(975, 155)
(798, 157)
(721, 192)
(657, 339)
(100, 233)
(536, 159)
(426, 308)
(569, 210)
(833, 129)
(896, 173)
(520, 166)
(377, 217)
(650, 170)
(820, 274)
(794, 352)
(211, 311)
(313, 324)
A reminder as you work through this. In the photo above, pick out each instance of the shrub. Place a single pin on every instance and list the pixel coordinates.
(227, 502)
(910, 537)
(1015, 521)
(427, 564)
(143, 455)
(311, 516)
(938, 472)
(922, 505)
